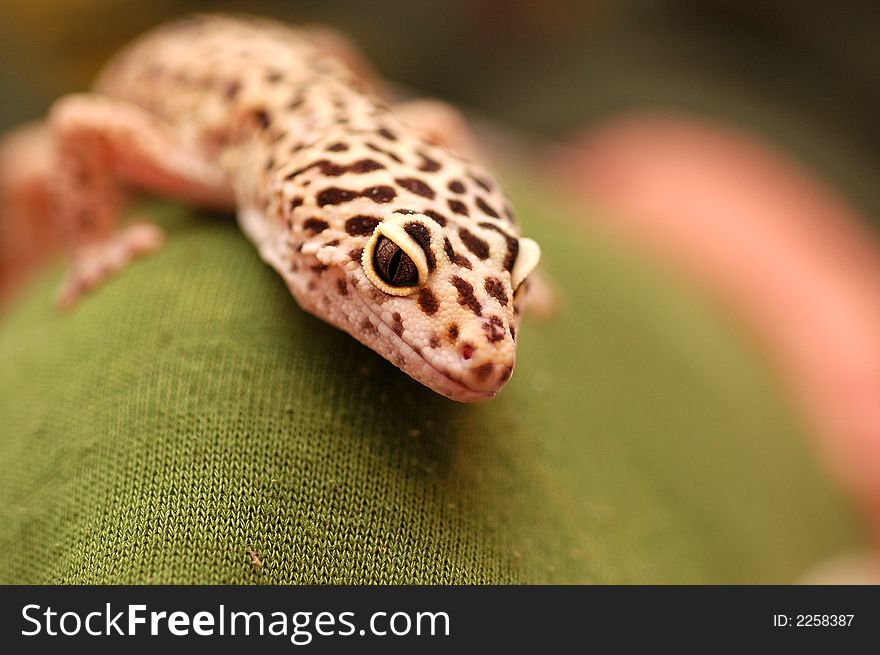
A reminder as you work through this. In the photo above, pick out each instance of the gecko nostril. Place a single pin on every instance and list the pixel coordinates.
(467, 351)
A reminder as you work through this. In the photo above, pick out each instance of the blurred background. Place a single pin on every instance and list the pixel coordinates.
(736, 142)
(788, 69)
(803, 73)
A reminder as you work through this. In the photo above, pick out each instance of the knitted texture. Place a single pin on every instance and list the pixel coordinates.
(188, 423)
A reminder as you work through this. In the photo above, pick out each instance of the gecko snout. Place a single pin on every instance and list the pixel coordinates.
(484, 364)
(486, 373)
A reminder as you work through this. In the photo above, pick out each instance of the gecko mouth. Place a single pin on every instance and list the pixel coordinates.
(400, 353)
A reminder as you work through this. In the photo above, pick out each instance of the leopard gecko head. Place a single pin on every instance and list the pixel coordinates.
(420, 261)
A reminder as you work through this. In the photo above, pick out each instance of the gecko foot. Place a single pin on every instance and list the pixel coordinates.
(96, 262)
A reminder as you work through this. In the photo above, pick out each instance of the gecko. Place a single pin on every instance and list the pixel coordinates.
(375, 215)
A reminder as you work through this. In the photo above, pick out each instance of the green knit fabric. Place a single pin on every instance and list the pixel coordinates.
(188, 423)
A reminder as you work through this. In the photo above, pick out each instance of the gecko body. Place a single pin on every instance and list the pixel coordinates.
(375, 226)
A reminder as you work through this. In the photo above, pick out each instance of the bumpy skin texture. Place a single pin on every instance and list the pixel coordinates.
(319, 169)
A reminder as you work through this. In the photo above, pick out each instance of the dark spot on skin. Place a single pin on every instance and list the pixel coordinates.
(463, 261)
(422, 236)
(429, 165)
(416, 186)
(454, 257)
(296, 202)
(359, 167)
(341, 287)
(315, 225)
(330, 169)
(447, 248)
(397, 325)
(338, 147)
(232, 89)
(319, 268)
(467, 351)
(512, 245)
(263, 118)
(428, 301)
(483, 371)
(273, 77)
(437, 217)
(481, 182)
(495, 288)
(380, 194)
(361, 225)
(458, 207)
(485, 208)
(506, 372)
(453, 333)
(456, 186)
(434, 342)
(387, 153)
(474, 243)
(466, 296)
(335, 196)
(356, 255)
(387, 134)
(512, 252)
(367, 326)
(334, 242)
(494, 329)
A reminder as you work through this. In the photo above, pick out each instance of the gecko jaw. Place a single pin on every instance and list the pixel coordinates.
(415, 364)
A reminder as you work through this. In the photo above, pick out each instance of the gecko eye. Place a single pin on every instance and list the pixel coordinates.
(393, 261)
(394, 266)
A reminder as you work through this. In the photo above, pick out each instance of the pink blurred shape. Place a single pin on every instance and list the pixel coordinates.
(774, 242)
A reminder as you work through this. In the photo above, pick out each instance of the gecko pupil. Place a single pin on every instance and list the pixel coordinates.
(393, 265)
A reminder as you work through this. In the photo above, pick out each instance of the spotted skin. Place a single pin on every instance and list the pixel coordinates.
(318, 167)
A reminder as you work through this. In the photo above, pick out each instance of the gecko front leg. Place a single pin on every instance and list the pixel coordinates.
(102, 146)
